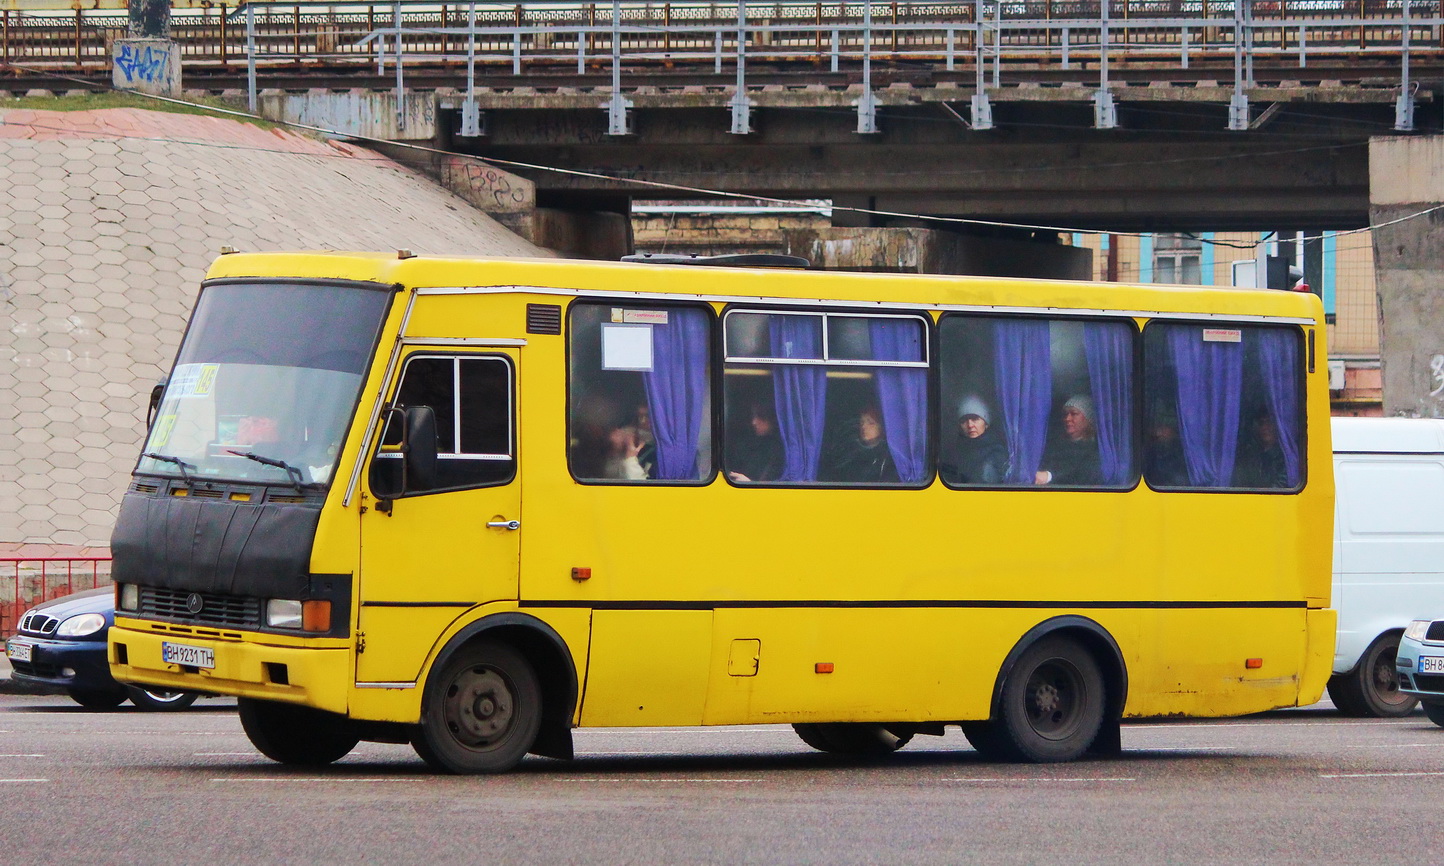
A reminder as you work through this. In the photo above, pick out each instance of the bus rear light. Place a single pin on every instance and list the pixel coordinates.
(822, 668)
(316, 615)
(1253, 664)
(581, 574)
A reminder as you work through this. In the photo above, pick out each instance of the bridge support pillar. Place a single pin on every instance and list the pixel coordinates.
(1406, 181)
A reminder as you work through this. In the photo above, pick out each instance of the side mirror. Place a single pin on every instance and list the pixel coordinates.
(156, 392)
(417, 449)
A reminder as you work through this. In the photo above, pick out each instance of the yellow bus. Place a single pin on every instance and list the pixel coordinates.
(474, 504)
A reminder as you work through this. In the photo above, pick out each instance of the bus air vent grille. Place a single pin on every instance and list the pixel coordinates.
(230, 610)
(543, 319)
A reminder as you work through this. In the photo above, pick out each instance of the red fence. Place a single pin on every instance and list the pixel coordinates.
(26, 581)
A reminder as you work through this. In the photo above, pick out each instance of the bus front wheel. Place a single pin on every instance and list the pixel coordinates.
(481, 711)
(1050, 708)
(851, 738)
(296, 735)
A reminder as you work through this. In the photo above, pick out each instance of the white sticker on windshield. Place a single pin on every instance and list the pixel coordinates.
(627, 347)
(192, 380)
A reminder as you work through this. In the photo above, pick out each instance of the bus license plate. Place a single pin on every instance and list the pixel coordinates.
(1431, 664)
(189, 656)
(20, 652)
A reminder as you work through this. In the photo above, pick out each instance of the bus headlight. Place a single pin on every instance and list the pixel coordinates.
(283, 613)
(1417, 629)
(127, 596)
(313, 615)
(82, 625)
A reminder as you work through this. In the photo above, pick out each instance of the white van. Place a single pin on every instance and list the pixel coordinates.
(1388, 552)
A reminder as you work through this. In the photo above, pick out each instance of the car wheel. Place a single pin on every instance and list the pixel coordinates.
(296, 735)
(1050, 708)
(851, 738)
(158, 699)
(1435, 712)
(480, 712)
(98, 699)
(1372, 688)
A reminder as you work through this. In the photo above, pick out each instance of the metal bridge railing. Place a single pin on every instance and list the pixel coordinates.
(26, 581)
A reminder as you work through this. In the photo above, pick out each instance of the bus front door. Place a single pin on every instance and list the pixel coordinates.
(450, 541)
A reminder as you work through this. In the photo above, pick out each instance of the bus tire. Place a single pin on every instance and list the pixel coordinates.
(1371, 689)
(1435, 712)
(300, 736)
(851, 738)
(1050, 708)
(481, 712)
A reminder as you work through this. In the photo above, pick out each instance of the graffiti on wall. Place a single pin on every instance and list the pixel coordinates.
(141, 64)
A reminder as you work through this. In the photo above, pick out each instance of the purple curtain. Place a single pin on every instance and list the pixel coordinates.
(1210, 391)
(1278, 358)
(800, 394)
(1023, 368)
(677, 391)
(902, 392)
(1109, 348)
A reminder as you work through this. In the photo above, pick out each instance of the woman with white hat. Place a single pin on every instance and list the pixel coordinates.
(1072, 458)
(977, 455)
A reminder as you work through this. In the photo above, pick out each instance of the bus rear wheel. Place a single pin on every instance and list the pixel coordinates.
(481, 712)
(1050, 708)
(1371, 689)
(851, 738)
(296, 735)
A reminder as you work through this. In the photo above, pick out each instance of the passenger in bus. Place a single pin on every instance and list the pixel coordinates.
(601, 448)
(757, 455)
(977, 455)
(1072, 457)
(1164, 465)
(1261, 458)
(863, 458)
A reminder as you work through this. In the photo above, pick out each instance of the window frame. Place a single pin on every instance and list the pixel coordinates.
(712, 424)
(511, 403)
(1138, 415)
(823, 316)
(1301, 381)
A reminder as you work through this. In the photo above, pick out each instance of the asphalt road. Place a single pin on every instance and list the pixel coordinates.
(1303, 785)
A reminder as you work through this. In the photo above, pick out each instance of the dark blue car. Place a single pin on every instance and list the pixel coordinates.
(61, 644)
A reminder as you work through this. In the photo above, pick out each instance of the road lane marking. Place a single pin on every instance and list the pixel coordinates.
(1376, 775)
(1014, 780)
(319, 779)
(22, 756)
(5, 781)
(723, 781)
(225, 754)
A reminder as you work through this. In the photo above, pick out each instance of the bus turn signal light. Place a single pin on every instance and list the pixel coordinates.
(822, 667)
(1253, 664)
(581, 574)
(316, 615)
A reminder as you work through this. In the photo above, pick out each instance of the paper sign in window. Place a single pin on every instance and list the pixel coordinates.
(1222, 335)
(639, 317)
(627, 347)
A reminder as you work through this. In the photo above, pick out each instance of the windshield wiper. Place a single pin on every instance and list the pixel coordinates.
(295, 474)
(179, 463)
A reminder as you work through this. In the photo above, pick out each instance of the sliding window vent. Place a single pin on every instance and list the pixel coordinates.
(543, 319)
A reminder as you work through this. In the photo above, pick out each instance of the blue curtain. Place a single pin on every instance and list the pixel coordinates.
(1023, 369)
(1277, 351)
(902, 392)
(800, 394)
(1210, 393)
(677, 390)
(1109, 348)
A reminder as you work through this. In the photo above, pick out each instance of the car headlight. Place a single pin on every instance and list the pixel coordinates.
(127, 596)
(1417, 629)
(82, 625)
(283, 613)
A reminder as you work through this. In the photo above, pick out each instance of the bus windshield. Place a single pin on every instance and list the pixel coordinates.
(265, 383)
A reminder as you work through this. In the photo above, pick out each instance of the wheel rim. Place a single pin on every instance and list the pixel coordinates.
(479, 707)
(1055, 699)
(163, 697)
(1386, 681)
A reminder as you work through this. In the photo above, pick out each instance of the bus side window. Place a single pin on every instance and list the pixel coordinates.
(826, 397)
(471, 397)
(1224, 406)
(640, 393)
(1037, 402)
